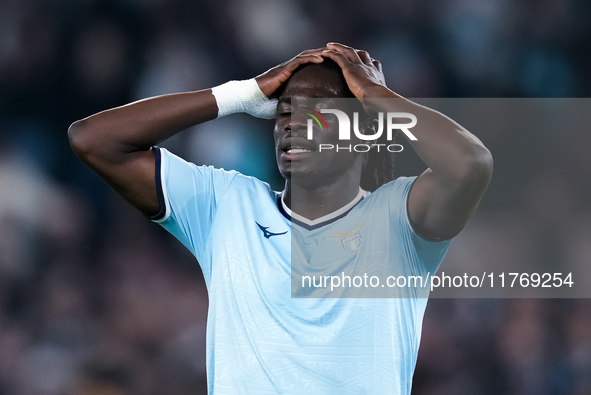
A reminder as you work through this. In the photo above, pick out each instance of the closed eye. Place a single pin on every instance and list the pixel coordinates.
(284, 109)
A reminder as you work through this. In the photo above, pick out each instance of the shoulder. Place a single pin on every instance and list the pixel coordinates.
(193, 178)
(391, 201)
(172, 164)
(394, 190)
(182, 184)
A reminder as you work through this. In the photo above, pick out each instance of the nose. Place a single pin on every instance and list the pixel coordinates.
(297, 124)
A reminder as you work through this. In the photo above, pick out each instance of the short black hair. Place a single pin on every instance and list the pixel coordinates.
(327, 64)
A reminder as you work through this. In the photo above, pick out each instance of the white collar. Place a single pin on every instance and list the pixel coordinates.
(362, 194)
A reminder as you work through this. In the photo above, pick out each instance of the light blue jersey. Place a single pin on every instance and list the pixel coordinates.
(260, 339)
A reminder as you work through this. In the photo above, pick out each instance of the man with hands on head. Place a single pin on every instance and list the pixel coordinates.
(259, 338)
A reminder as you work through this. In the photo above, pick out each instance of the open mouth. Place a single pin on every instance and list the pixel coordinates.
(297, 146)
(297, 150)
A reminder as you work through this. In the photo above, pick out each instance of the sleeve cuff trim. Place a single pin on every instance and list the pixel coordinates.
(164, 212)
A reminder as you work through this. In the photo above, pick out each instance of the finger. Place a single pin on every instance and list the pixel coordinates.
(349, 52)
(270, 80)
(309, 58)
(299, 60)
(377, 64)
(341, 59)
(364, 56)
(312, 51)
(306, 58)
(317, 51)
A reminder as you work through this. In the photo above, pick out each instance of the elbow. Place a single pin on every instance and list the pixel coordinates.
(484, 164)
(478, 168)
(76, 137)
(81, 139)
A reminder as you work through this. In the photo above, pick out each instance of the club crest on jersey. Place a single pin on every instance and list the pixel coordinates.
(351, 240)
(352, 244)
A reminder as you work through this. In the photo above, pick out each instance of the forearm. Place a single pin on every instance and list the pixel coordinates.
(116, 143)
(138, 126)
(444, 197)
(448, 149)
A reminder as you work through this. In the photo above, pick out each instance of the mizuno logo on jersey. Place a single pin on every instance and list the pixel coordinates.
(266, 233)
(351, 240)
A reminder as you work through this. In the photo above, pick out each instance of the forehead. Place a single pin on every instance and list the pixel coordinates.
(315, 82)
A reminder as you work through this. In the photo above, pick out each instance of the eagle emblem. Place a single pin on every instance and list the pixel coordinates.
(351, 240)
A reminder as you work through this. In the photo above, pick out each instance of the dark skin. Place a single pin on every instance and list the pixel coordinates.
(317, 183)
(117, 145)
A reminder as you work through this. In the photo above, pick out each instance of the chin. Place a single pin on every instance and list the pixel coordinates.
(297, 170)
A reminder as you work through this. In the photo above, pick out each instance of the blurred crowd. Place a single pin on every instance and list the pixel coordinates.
(95, 299)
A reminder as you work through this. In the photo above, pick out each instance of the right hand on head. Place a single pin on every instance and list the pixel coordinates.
(257, 96)
(272, 79)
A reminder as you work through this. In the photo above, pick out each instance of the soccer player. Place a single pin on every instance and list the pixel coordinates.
(247, 237)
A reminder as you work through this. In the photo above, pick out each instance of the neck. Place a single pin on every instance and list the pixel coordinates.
(313, 202)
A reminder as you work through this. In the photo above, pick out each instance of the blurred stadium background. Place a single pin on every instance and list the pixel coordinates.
(94, 299)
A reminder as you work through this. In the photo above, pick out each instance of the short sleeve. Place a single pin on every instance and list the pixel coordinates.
(188, 195)
(428, 254)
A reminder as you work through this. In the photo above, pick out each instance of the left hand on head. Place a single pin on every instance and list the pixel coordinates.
(363, 73)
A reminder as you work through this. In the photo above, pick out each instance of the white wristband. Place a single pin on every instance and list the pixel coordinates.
(243, 96)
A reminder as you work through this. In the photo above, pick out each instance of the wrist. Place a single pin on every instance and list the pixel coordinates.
(242, 96)
(379, 91)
